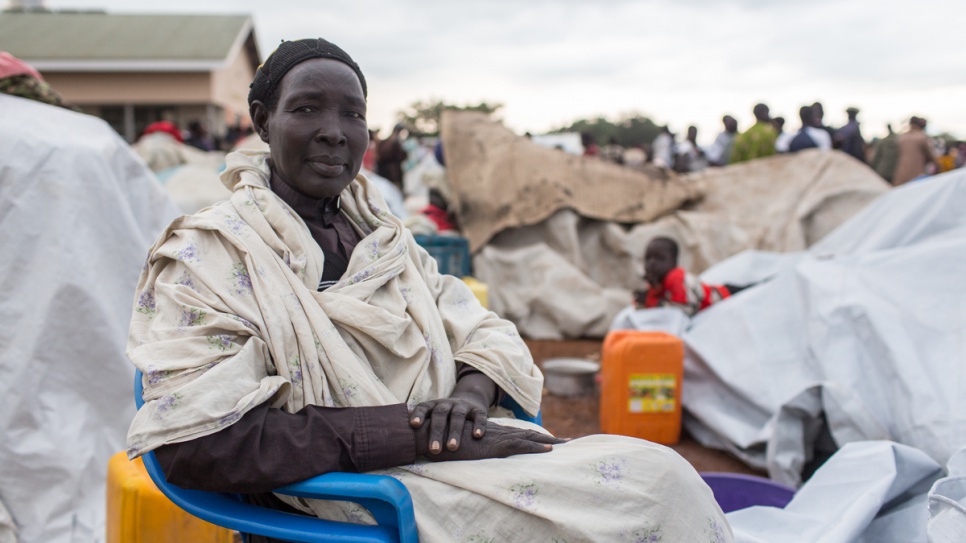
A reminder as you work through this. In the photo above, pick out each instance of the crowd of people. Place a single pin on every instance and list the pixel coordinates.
(898, 158)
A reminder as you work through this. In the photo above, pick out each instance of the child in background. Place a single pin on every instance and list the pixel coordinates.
(438, 211)
(670, 285)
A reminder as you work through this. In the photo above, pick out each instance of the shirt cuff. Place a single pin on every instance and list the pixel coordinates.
(386, 440)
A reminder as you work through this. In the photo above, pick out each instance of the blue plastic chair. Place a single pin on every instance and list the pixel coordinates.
(385, 497)
(734, 491)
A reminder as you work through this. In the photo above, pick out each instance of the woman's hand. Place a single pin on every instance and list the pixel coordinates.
(469, 402)
(496, 442)
(446, 418)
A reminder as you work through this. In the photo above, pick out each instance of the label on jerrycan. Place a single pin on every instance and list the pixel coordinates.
(652, 393)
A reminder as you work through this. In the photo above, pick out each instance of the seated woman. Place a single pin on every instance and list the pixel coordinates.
(298, 329)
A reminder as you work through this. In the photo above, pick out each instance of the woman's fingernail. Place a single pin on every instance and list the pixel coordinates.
(478, 432)
(434, 447)
(452, 444)
(415, 420)
(548, 447)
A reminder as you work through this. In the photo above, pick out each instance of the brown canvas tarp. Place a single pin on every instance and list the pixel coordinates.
(500, 180)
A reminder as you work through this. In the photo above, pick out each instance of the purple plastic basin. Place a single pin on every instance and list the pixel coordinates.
(734, 491)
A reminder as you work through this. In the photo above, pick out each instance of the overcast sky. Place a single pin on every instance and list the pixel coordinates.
(680, 62)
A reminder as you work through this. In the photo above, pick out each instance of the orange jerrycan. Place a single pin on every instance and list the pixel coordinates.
(640, 389)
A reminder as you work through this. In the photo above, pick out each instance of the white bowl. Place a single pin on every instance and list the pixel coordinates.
(569, 376)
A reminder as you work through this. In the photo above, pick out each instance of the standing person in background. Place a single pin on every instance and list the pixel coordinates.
(779, 124)
(720, 151)
(662, 149)
(886, 155)
(947, 161)
(390, 156)
(199, 138)
(809, 136)
(818, 115)
(590, 144)
(758, 141)
(850, 137)
(688, 157)
(415, 151)
(369, 159)
(915, 153)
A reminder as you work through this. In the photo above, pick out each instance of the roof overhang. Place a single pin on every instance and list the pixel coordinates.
(127, 65)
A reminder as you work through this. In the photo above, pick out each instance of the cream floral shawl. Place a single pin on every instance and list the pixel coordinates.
(227, 317)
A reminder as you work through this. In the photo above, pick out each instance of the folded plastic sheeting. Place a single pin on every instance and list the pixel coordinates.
(947, 504)
(660, 319)
(868, 492)
(78, 210)
(862, 337)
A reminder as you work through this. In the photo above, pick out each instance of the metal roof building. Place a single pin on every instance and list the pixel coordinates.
(134, 69)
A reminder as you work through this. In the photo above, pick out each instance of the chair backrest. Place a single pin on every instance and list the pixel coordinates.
(734, 491)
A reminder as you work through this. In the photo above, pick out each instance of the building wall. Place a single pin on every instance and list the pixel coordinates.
(229, 88)
(180, 97)
(95, 88)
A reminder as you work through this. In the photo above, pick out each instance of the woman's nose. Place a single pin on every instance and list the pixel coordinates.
(330, 133)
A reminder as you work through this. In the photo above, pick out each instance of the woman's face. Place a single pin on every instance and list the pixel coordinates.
(317, 132)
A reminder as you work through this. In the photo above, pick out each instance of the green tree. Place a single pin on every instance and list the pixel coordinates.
(631, 129)
(422, 117)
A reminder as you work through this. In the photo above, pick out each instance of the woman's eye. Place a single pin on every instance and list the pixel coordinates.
(304, 109)
(355, 115)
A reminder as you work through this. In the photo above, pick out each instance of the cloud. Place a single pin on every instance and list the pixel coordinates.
(681, 60)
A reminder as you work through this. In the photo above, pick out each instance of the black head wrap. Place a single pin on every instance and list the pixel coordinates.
(290, 53)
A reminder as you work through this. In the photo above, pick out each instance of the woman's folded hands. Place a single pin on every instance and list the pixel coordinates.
(461, 420)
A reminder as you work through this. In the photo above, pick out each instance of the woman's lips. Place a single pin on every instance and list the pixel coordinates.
(327, 167)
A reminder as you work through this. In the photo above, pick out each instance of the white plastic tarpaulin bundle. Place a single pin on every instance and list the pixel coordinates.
(863, 336)
(78, 210)
(868, 492)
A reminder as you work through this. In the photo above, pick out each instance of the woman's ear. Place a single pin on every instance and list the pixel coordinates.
(259, 113)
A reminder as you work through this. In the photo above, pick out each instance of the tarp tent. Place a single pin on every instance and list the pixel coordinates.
(78, 210)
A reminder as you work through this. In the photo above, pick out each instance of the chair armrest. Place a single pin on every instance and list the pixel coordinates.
(251, 519)
(385, 497)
